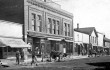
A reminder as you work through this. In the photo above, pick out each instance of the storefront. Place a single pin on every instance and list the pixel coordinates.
(50, 44)
(9, 46)
(82, 48)
(79, 48)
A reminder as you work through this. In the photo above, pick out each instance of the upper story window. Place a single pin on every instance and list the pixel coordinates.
(54, 26)
(49, 25)
(91, 39)
(58, 27)
(39, 23)
(68, 30)
(65, 29)
(95, 39)
(33, 21)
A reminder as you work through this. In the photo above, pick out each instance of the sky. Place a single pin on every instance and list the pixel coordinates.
(89, 13)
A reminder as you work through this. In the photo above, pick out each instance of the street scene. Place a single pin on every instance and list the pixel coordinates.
(54, 35)
(75, 63)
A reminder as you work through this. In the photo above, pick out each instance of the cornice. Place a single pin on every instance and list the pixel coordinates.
(43, 5)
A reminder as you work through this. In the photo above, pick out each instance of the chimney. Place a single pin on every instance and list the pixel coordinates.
(104, 35)
(77, 25)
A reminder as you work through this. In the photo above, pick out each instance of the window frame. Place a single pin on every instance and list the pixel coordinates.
(33, 21)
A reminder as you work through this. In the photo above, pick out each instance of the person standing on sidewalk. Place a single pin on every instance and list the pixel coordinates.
(22, 55)
(34, 60)
(42, 52)
(17, 57)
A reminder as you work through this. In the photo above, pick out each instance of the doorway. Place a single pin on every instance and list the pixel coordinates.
(1, 52)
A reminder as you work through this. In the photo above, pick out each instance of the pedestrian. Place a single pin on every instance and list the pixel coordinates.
(42, 52)
(17, 57)
(22, 55)
(33, 58)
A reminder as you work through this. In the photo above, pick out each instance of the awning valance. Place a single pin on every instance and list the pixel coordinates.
(12, 42)
(56, 39)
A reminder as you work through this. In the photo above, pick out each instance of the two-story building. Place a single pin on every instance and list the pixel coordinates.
(45, 24)
(100, 41)
(85, 38)
(106, 42)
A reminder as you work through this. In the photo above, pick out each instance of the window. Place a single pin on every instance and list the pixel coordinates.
(33, 21)
(39, 23)
(49, 25)
(54, 26)
(65, 29)
(58, 28)
(68, 30)
(93, 40)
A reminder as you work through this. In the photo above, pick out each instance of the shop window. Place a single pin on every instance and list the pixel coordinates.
(7, 49)
(14, 49)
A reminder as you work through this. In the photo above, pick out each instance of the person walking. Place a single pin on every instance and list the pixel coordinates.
(22, 55)
(33, 58)
(17, 57)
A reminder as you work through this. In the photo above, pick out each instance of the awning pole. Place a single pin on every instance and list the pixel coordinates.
(7, 51)
(2, 52)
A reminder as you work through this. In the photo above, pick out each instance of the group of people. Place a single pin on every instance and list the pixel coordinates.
(19, 56)
(35, 52)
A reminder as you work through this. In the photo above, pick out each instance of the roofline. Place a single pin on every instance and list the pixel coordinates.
(100, 33)
(10, 22)
(43, 5)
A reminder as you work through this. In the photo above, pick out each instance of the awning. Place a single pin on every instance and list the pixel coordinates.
(55, 39)
(78, 42)
(12, 42)
(68, 41)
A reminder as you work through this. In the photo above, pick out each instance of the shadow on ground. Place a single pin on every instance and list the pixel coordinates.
(101, 65)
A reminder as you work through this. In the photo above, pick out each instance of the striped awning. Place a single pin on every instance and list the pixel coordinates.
(12, 42)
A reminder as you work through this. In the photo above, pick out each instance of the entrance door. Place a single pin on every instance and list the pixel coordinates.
(61, 48)
(79, 49)
(1, 53)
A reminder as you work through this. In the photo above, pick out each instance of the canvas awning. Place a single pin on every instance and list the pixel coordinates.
(55, 39)
(12, 42)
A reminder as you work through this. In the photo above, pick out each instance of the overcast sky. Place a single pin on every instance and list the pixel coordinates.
(89, 13)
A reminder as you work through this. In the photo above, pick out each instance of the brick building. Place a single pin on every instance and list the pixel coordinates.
(45, 24)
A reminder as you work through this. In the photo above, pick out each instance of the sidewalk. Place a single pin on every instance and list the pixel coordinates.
(12, 61)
